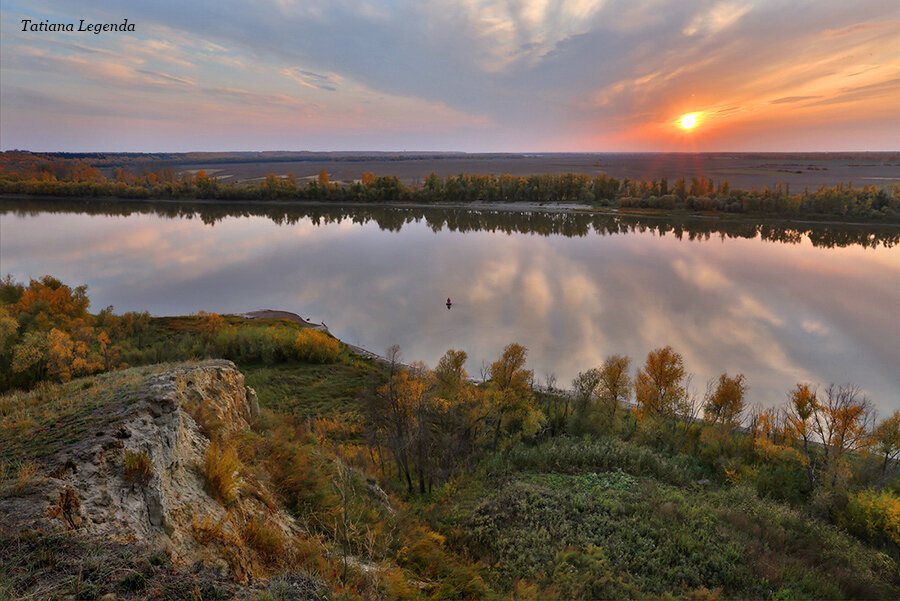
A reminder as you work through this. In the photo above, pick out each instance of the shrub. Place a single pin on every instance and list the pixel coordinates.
(210, 530)
(874, 514)
(277, 345)
(585, 574)
(133, 582)
(314, 346)
(782, 480)
(301, 477)
(604, 454)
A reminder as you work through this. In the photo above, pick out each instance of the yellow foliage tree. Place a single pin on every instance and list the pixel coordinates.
(510, 394)
(615, 383)
(887, 440)
(660, 388)
(59, 355)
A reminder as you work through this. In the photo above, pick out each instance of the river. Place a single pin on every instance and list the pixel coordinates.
(780, 303)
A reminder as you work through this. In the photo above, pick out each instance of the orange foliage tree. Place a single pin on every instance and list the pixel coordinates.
(725, 405)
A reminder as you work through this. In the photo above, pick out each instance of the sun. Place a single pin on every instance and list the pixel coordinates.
(688, 121)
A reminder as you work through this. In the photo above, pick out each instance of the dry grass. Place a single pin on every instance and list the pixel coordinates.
(207, 420)
(138, 467)
(221, 466)
(13, 485)
(335, 428)
(210, 530)
(39, 422)
(266, 540)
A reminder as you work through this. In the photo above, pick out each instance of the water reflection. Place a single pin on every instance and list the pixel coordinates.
(539, 222)
(778, 303)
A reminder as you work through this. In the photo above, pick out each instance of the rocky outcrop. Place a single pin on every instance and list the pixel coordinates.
(164, 430)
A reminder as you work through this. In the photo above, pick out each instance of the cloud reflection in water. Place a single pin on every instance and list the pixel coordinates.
(777, 312)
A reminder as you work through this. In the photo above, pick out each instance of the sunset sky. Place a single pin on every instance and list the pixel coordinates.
(474, 75)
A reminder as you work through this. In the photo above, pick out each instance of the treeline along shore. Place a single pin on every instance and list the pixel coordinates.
(36, 175)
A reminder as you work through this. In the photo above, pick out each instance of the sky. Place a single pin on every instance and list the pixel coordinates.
(471, 75)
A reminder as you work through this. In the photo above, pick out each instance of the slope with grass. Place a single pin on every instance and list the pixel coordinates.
(629, 523)
(168, 481)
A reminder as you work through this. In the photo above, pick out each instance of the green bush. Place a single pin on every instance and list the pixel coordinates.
(567, 455)
(585, 574)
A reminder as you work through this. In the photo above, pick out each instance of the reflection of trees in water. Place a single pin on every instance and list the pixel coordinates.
(543, 223)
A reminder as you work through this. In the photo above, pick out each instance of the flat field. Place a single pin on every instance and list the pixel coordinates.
(742, 170)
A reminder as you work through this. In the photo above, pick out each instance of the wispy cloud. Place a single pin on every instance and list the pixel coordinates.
(790, 99)
(541, 75)
(719, 17)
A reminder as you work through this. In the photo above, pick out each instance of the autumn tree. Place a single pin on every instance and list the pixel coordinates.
(767, 430)
(887, 441)
(600, 391)
(48, 303)
(660, 386)
(29, 356)
(510, 394)
(422, 413)
(458, 411)
(555, 404)
(103, 340)
(585, 389)
(323, 177)
(799, 422)
(450, 374)
(210, 324)
(390, 414)
(615, 384)
(725, 405)
(842, 423)
(59, 355)
(403, 415)
(8, 328)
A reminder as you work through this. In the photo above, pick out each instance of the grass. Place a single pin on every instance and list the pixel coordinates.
(265, 540)
(567, 518)
(221, 467)
(38, 565)
(138, 467)
(658, 539)
(40, 422)
(306, 389)
(584, 455)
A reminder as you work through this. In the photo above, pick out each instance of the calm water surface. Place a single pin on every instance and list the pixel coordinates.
(780, 312)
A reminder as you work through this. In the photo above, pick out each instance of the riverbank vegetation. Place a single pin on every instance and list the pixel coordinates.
(38, 175)
(420, 482)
